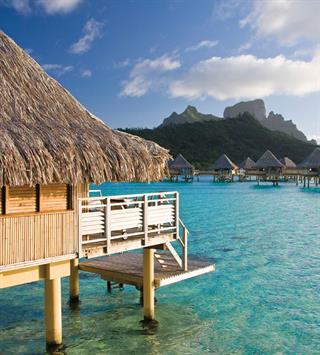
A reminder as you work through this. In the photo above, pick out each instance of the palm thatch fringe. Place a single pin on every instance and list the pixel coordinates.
(268, 160)
(224, 163)
(312, 161)
(288, 163)
(47, 136)
(180, 162)
(247, 164)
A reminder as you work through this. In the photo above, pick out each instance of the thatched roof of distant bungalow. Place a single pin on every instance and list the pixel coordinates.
(247, 164)
(224, 163)
(288, 163)
(47, 136)
(268, 160)
(180, 162)
(312, 161)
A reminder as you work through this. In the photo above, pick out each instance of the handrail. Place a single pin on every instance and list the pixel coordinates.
(129, 195)
(106, 218)
(184, 244)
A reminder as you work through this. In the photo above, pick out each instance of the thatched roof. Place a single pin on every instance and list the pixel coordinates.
(288, 163)
(47, 136)
(224, 163)
(247, 164)
(312, 161)
(180, 162)
(268, 160)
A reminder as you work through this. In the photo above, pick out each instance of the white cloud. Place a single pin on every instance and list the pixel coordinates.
(86, 73)
(287, 20)
(225, 10)
(247, 76)
(244, 47)
(58, 6)
(21, 6)
(92, 31)
(51, 7)
(147, 74)
(136, 87)
(123, 63)
(202, 44)
(57, 69)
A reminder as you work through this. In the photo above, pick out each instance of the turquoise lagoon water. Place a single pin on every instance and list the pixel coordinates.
(264, 297)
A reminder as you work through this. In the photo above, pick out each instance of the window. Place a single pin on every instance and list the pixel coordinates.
(26, 199)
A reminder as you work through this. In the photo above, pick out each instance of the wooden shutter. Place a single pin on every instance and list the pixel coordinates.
(2, 200)
(21, 199)
(53, 197)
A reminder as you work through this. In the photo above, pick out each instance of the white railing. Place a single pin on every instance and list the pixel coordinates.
(104, 220)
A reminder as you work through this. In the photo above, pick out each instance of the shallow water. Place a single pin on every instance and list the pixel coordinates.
(264, 297)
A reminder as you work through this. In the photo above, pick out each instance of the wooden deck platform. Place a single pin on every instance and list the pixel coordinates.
(128, 269)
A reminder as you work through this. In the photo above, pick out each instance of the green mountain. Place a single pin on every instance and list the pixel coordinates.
(203, 142)
(189, 115)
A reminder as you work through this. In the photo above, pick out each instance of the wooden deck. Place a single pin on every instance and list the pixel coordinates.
(128, 269)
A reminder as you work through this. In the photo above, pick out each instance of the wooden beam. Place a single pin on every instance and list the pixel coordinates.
(5, 199)
(38, 198)
(70, 192)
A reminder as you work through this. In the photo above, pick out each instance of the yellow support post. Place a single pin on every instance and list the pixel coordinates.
(53, 318)
(74, 282)
(148, 283)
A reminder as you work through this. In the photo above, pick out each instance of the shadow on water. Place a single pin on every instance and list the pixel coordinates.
(310, 190)
(149, 327)
(266, 187)
(225, 250)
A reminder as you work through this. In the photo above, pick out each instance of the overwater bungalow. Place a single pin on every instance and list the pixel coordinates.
(224, 169)
(245, 167)
(290, 170)
(51, 149)
(180, 167)
(310, 168)
(268, 168)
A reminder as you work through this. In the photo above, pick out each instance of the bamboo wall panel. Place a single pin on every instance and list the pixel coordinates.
(54, 197)
(22, 199)
(38, 236)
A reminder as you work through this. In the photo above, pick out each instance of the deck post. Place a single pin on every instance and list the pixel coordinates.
(145, 219)
(148, 283)
(107, 220)
(74, 282)
(53, 312)
(185, 248)
(177, 214)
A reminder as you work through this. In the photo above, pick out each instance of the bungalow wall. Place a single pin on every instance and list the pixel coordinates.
(37, 223)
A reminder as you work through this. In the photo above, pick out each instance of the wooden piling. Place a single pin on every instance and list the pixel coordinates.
(53, 318)
(74, 281)
(148, 283)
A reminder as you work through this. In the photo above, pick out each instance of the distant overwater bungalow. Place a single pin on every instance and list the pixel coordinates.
(245, 167)
(51, 149)
(290, 170)
(310, 168)
(180, 167)
(224, 169)
(268, 168)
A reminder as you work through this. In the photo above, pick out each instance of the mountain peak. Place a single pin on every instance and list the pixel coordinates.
(191, 109)
(189, 115)
(274, 121)
(255, 108)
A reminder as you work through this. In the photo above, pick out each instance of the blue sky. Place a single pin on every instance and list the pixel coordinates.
(132, 63)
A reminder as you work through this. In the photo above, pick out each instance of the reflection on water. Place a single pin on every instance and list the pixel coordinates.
(263, 298)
